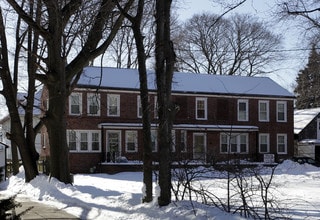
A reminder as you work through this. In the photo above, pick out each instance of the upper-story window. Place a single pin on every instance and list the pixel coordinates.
(263, 110)
(75, 104)
(201, 108)
(93, 104)
(243, 110)
(113, 105)
(281, 111)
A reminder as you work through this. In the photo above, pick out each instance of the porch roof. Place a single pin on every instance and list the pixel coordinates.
(200, 127)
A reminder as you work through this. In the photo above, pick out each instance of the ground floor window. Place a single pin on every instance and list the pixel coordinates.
(234, 143)
(84, 140)
(282, 143)
(199, 146)
(264, 146)
(131, 141)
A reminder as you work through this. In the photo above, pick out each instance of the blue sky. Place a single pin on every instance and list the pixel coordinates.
(262, 9)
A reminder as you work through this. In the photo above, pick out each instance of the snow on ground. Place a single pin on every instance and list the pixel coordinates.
(118, 196)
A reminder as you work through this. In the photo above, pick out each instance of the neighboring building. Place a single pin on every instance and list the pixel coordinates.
(218, 118)
(307, 132)
(3, 158)
(5, 122)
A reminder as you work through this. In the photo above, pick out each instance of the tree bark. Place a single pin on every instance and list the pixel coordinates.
(164, 72)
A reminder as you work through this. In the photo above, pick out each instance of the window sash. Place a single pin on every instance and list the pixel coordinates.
(201, 108)
(282, 143)
(93, 104)
(264, 143)
(131, 141)
(243, 110)
(75, 104)
(236, 143)
(263, 111)
(113, 105)
(281, 111)
(83, 141)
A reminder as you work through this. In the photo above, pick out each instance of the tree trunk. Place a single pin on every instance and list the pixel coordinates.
(55, 123)
(164, 73)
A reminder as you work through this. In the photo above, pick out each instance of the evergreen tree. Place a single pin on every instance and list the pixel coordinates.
(308, 83)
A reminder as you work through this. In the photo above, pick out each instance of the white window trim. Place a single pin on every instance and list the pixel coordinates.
(285, 111)
(135, 141)
(268, 142)
(285, 143)
(267, 106)
(80, 103)
(246, 101)
(78, 140)
(238, 139)
(205, 108)
(89, 95)
(118, 105)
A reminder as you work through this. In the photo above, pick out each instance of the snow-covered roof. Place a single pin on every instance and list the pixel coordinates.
(303, 117)
(115, 78)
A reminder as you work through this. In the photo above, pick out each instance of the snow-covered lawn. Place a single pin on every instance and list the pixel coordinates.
(118, 196)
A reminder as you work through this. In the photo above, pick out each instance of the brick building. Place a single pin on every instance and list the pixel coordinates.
(218, 118)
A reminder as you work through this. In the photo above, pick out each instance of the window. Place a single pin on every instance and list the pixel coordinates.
(201, 108)
(243, 110)
(236, 143)
(93, 104)
(113, 105)
(199, 146)
(80, 140)
(264, 143)
(131, 141)
(263, 111)
(183, 141)
(154, 140)
(75, 104)
(282, 143)
(83, 141)
(72, 140)
(281, 111)
(95, 141)
(139, 107)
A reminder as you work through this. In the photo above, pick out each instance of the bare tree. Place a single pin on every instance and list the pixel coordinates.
(136, 22)
(165, 59)
(74, 33)
(239, 45)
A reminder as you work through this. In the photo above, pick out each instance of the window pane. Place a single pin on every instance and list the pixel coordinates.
(83, 141)
(131, 140)
(243, 143)
(72, 140)
(75, 104)
(95, 144)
